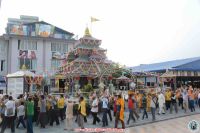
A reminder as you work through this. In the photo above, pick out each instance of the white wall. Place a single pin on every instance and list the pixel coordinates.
(48, 55)
(43, 55)
(3, 55)
(14, 54)
(39, 56)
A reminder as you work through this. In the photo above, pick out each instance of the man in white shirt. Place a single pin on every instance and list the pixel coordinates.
(105, 110)
(161, 102)
(185, 100)
(20, 115)
(94, 110)
(9, 115)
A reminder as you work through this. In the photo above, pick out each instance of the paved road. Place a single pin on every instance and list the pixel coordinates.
(178, 125)
(136, 125)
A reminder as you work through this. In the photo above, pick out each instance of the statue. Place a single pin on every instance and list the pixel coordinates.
(111, 88)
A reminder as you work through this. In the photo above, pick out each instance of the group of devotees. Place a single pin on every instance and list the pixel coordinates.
(44, 109)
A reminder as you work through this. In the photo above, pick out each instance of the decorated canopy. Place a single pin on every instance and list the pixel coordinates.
(87, 59)
(21, 74)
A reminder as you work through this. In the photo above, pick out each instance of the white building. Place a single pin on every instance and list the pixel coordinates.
(32, 44)
(37, 45)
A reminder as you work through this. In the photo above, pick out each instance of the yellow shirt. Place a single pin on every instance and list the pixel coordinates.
(168, 96)
(61, 103)
(82, 106)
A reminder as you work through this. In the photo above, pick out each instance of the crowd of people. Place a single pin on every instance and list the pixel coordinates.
(47, 109)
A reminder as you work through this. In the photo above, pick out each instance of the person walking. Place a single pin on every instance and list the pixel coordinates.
(120, 112)
(3, 107)
(81, 112)
(153, 106)
(161, 103)
(199, 99)
(20, 115)
(174, 103)
(115, 105)
(109, 107)
(9, 115)
(29, 114)
(191, 101)
(104, 110)
(144, 106)
(36, 108)
(168, 99)
(42, 113)
(185, 100)
(135, 107)
(69, 115)
(180, 98)
(94, 110)
(53, 112)
(130, 107)
(61, 104)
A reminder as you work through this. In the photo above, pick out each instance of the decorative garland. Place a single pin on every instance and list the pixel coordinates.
(33, 80)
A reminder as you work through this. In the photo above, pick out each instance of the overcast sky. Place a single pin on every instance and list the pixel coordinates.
(133, 31)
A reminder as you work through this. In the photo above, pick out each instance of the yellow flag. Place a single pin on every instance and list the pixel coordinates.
(94, 19)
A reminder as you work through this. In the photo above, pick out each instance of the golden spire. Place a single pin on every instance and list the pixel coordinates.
(87, 32)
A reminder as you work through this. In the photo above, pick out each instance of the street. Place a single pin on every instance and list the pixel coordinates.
(178, 125)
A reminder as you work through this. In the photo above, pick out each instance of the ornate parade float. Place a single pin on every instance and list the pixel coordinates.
(86, 65)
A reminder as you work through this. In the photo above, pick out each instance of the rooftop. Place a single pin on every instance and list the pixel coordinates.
(175, 64)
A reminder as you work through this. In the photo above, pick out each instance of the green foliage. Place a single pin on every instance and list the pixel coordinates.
(87, 88)
(119, 71)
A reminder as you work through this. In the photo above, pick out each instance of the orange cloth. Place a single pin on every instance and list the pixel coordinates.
(178, 95)
(148, 103)
(121, 113)
(192, 96)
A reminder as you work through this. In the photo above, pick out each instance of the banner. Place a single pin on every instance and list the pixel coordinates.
(44, 30)
(27, 54)
(15, 86)
(18, 30)
(58, 55)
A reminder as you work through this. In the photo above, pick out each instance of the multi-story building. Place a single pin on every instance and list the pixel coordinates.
(36, 45)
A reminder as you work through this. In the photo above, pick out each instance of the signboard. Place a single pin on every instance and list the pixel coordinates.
(18, 30)
(15, 86)
(24, 54)
(58, 55)
(44, 30)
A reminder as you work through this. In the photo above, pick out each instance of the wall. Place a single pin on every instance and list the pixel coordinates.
(3, 55)
(13, 55)
(39, 56)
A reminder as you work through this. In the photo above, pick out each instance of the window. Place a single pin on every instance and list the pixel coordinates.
(59, 47)
(152, 84)
(2, 65)
(27, 45)
(55, 63)
(3, 47)
(30, 64)
(52, 82)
